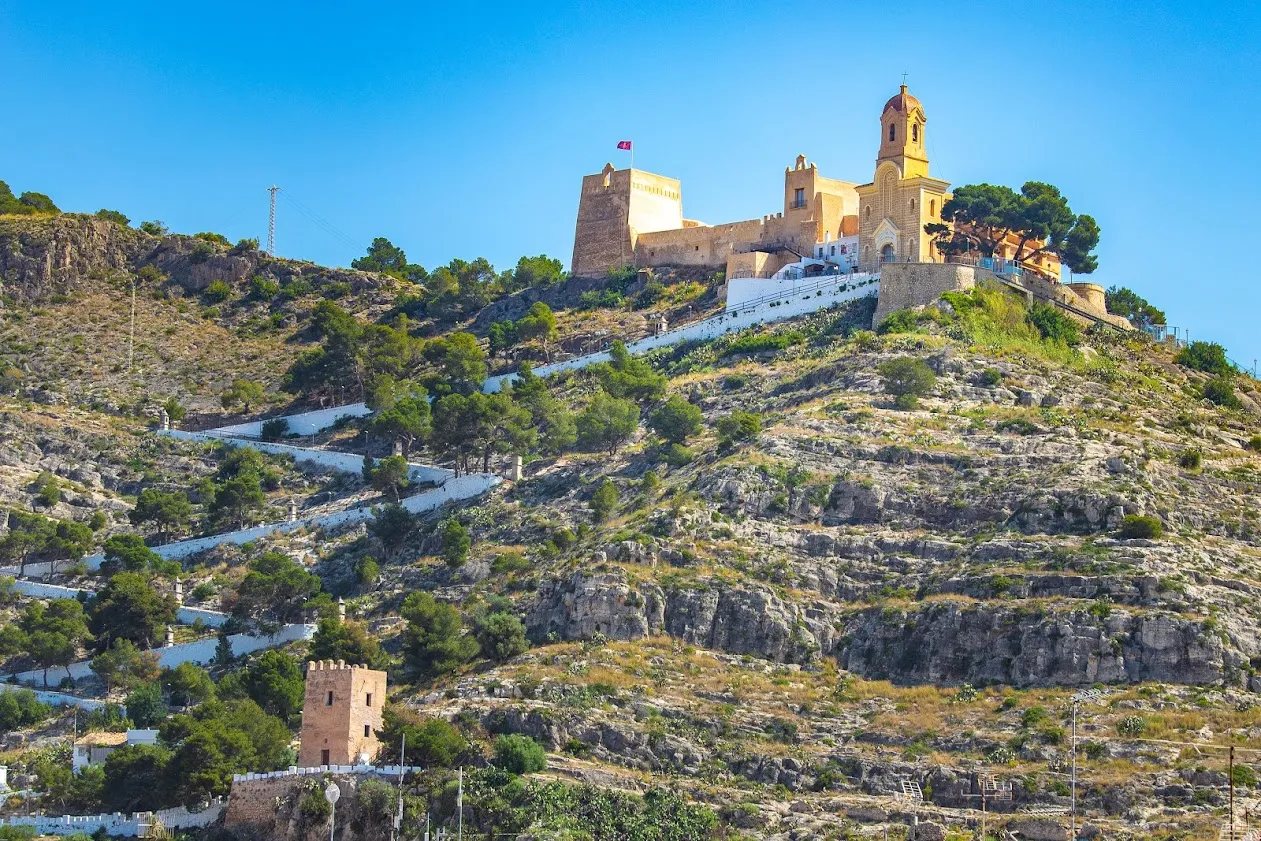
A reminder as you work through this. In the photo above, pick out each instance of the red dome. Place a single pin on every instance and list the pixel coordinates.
(902, 101)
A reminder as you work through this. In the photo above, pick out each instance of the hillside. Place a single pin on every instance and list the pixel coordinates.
(814, 593)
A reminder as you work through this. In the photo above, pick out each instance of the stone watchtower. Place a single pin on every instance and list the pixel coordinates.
(340, 714)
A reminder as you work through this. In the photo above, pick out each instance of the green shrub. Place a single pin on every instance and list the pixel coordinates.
(455, 542)
(507, 562)
(677, 455)
(202, 251)
(603, 501)
(1033, 716)
(1054, 325)
(991, 377)
(519, 754)
(1139, 526)
(1020, 426)
(1191, 460)
(739, 426)
(1221, 392)
(1245, 776)
(22, 708)
(368, 571)
(902, 321)
(336, 289)
(650, 294)
(1132, 725)
(676, 420)
(211, 237)
(275, 429)
(1254, 443)
(764, 342)
(907, 379)
(600, 299)
(217, 292)
(1209, 357)
(263, 288)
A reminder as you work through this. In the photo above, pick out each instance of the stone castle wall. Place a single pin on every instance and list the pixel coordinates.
(904, 285)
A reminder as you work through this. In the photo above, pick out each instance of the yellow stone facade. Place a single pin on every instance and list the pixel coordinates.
(902, 197)
(630, 217)
(341, 714)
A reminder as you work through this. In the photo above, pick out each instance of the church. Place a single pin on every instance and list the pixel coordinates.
(629, 217)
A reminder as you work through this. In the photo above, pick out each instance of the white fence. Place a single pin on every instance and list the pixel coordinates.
(198, 651)
(789, 305)
(119, 824)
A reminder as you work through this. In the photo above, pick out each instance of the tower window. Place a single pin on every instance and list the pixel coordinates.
(893, 131)
(932, 207)
(368, 701)
(912, 205)
(915, 132)
(367, 731)
(328, 701)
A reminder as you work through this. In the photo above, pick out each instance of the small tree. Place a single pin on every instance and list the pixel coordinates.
(738, 426)
(604, 500)
(1209, 357)
(167, 511)
(391, 526)
(125, 666)
(390, 476)
(607, 422)
(676, 420)
(434, 643)
(519, 754)
(1135, 526)
(456, 542)
(907, 379)
(1221, 392)
(145, 705)
(245, 392)
(129, 552)
(500, 635)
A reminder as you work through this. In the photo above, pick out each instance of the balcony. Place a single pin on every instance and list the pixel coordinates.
(797, 204)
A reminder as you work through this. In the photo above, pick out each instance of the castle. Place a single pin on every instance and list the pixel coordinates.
(341, 714)
(630, 217)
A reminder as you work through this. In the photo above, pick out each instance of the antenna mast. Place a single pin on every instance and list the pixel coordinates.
(271, 222)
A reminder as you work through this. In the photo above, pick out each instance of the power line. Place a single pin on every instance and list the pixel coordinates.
(320, 222)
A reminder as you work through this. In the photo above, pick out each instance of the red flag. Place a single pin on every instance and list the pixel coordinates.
(624, 145)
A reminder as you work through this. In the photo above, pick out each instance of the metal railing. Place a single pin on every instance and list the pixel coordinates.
(784, 294)
(797, 204)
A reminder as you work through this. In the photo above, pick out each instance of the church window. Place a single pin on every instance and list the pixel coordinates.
(915, 132)
(932, 208)
(893, 131)
(912, 205)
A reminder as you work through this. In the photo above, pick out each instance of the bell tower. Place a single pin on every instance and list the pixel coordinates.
(902, 135)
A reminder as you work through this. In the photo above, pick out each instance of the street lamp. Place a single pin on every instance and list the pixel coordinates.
(331, 794)
(1083, 696)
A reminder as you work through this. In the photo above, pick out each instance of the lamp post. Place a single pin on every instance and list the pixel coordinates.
(331, 794)
(1091, 696)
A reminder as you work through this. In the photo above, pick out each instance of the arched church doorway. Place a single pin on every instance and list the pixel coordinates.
(886, 253)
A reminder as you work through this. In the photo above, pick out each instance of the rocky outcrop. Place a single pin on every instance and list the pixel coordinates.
(44, 256)
(944, 642)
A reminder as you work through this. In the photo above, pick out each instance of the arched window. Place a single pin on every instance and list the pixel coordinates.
(932, 207)
(915, 132)
(893, 131)
(912, 205)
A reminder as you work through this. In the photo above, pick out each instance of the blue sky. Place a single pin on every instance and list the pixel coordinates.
(462, 130)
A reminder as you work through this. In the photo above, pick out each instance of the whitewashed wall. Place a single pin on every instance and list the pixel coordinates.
(742, 290)
(304, 423)
(790, 306)
(333, 460)
(57, 699)
(199, 651)
(118, 824)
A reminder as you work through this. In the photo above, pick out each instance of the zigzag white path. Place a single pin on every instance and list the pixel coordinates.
(784, 304)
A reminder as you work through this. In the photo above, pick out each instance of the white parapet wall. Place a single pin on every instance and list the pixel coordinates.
(743, 292)
(198, 651)
(304, 423)
(57, 699)
(332, 459)
(790, 304)
(118, 824)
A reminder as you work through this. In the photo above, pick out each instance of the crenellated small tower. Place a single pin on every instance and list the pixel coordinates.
(341, 714)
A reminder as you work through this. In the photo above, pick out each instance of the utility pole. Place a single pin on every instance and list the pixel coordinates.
(271, 222)
(131, 341)
(1232, 791)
